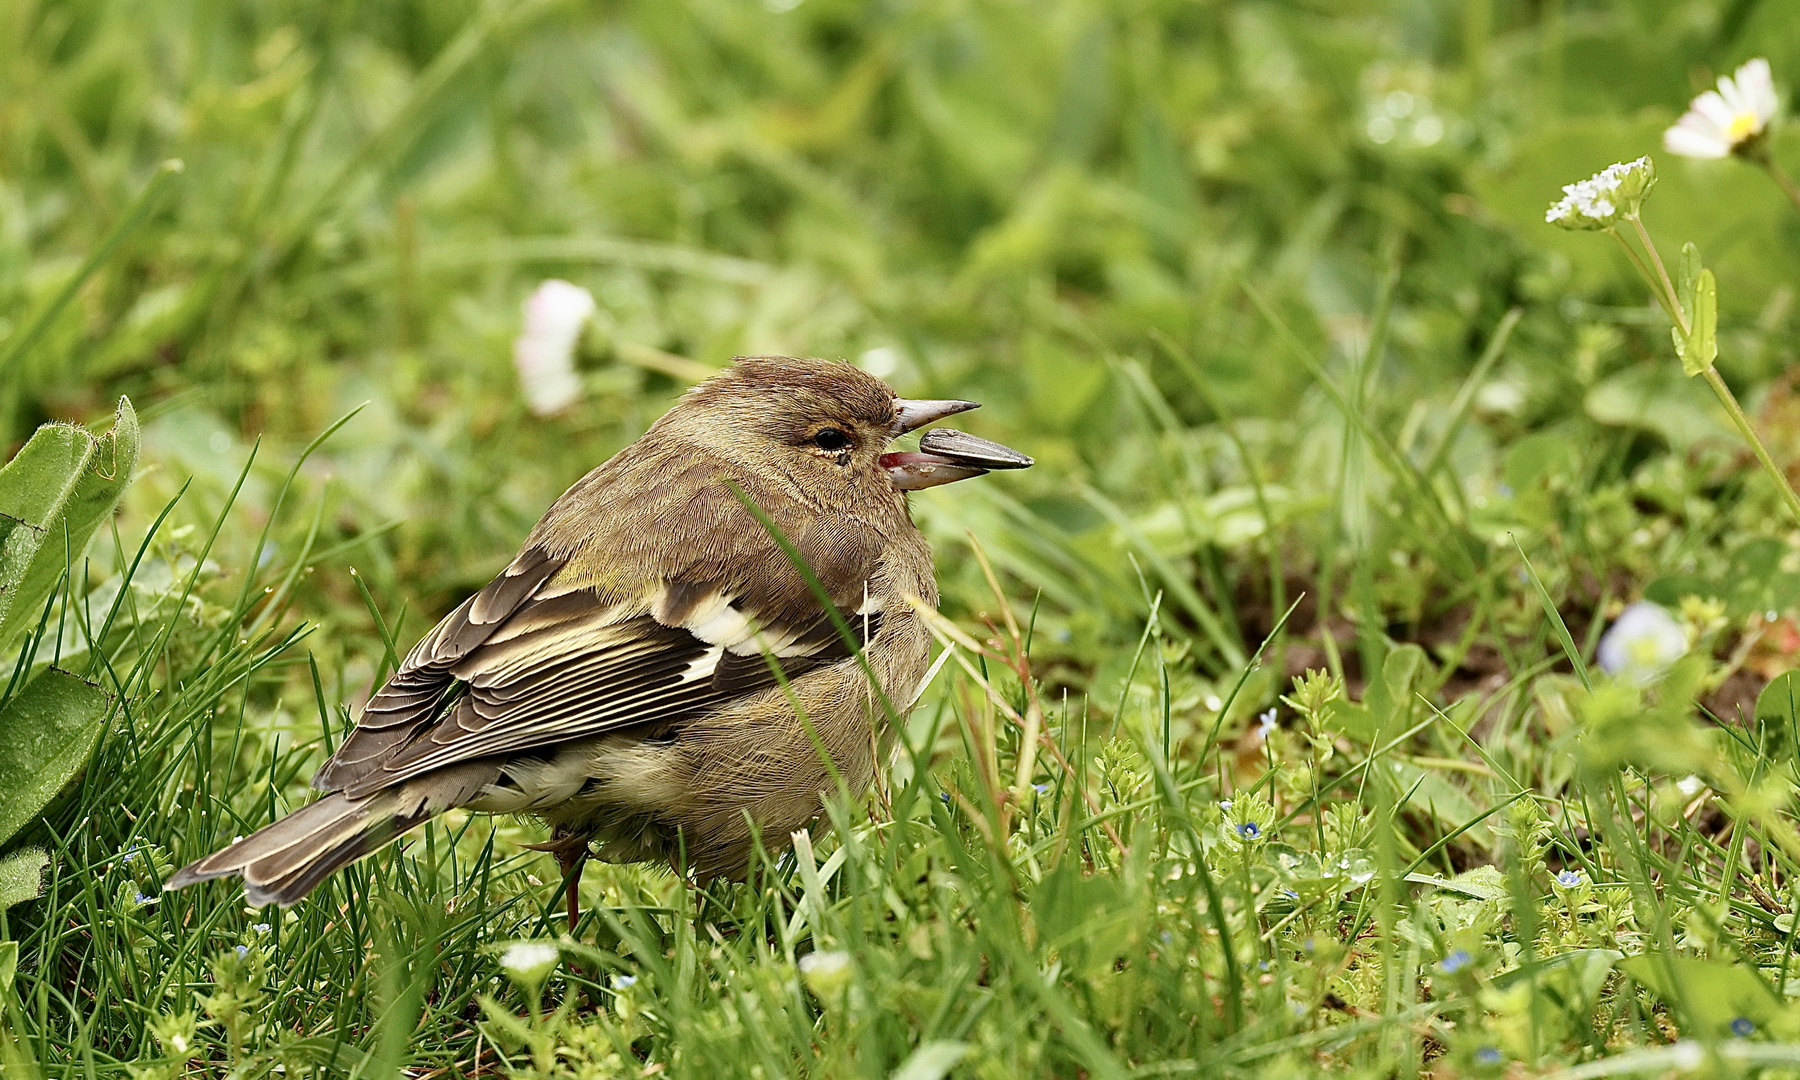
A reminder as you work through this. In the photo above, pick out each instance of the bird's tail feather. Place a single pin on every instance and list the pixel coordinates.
(282, 862)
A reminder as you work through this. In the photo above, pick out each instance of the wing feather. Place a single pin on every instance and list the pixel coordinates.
(602, 623)
(414, 697)
(604, 673)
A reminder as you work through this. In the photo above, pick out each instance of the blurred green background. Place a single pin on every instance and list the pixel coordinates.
(1265, 287)
(1034, 205)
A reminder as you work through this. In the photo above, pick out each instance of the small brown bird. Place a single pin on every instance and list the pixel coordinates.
(653, 673)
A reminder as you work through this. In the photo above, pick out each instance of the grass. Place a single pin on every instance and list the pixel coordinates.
(1330, 429)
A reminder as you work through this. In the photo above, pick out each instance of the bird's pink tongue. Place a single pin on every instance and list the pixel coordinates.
(913, 470)
(946, 455)
(902, 458)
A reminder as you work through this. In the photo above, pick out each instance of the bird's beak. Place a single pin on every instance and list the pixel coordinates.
(946, 455)
(910, 414)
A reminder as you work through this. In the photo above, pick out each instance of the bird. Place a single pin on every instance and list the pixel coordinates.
(695, 645)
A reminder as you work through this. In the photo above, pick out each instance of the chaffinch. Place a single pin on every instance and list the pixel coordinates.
(655, 675)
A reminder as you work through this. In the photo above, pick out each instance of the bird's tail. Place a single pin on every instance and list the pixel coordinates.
(282, 862)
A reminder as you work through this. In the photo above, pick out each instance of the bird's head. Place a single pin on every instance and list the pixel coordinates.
(827, 424)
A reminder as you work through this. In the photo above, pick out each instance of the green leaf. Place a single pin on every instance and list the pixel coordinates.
(1351, 720)
(1704, 340)
(16, 1061)
(1757, 580)
(1475, 884)
(1698, 293)
(1656, 398)
(1712, 993)
(1670, 590)
(53, 495)
(1086, 919)
(1590, 967)
(1778, 716)
(47, 732)
(1688, 275)
(1399, 670)
(1621, 727)
(22, 876)
(1433, 794)
(932, 1060)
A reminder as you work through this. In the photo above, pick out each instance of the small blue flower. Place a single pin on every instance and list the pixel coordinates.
(1041, 789)
(1167, 937)
(1290, 894)
(624, 982)
(145, 901)
(1742, 1027)
(1265, 724)
(1569, 879)
(261, 928)
(1225, 805)
(1455, 962)
(1487, 1055)
(944, 795)
(1249, 830)
(243, 951)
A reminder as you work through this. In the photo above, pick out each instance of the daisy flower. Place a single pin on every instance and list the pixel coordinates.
(544, 352)
(1642, 641)
(825, 973)
(1729, 120)
(529, 963)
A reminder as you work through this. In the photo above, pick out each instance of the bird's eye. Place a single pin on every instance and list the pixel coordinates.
(831, 439)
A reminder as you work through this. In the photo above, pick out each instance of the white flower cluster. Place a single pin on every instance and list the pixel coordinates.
(1600, 200)
(1727, 120)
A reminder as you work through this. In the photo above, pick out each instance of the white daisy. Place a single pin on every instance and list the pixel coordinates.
(1642, 641)
(544, 352)
(529, 962)
(825, 973)
(1599, 201)
(1729, 119)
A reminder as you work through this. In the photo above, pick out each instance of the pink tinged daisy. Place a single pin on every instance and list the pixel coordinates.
(1728, 120)
(544, 352)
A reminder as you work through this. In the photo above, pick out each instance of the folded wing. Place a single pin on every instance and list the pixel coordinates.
(529, 663)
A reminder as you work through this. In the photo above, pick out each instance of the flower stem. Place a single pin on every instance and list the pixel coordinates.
(1767, 161)
(1664, 291)
(1662, 273)
(1729, 400)
(1665, 300)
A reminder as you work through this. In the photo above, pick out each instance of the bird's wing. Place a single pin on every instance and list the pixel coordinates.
(537, 658)
(410, 700)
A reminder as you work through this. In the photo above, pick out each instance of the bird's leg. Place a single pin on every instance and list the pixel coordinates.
(571, 851)
(572, 862)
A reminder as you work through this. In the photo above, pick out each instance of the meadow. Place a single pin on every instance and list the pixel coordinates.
(1384, 670)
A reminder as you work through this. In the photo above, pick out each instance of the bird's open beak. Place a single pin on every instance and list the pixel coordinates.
(946, 455)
